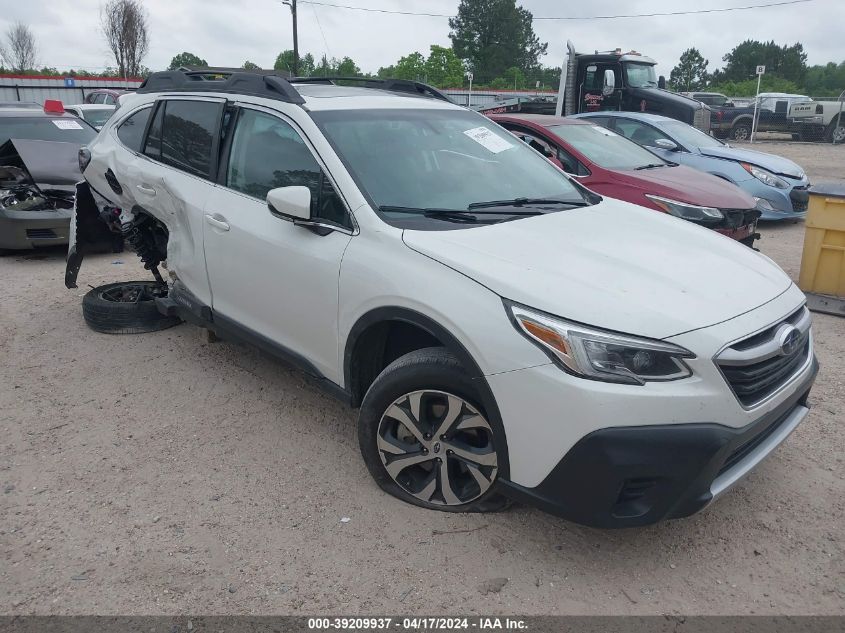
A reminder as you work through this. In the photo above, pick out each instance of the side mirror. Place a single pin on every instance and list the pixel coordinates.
(609, 82)
(290, 203)
(661, 82)
(665, 143)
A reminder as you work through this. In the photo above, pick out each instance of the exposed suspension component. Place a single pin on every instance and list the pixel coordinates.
(149, 239)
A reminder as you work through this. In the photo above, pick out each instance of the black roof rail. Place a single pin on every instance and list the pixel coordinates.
(391, 85)
(266, 83)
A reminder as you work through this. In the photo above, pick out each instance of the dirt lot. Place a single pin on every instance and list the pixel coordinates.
(161, 474)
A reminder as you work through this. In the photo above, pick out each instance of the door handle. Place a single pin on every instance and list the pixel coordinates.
(145, 189)
(217, 222)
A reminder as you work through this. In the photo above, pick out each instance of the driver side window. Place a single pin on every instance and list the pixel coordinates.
(640, 133)
(268, 153)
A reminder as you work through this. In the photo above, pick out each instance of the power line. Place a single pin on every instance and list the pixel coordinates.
(591, 17)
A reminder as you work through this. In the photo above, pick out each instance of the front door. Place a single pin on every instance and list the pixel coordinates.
(277, 280)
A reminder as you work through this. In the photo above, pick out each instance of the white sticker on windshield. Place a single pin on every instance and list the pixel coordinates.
(486, 137)
(605, 131)
(66, 124)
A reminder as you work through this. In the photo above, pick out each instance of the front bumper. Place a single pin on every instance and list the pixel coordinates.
(786, 204)
(24, 230)
(634, 476)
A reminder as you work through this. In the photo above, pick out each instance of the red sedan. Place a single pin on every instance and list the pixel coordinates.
(613, 166)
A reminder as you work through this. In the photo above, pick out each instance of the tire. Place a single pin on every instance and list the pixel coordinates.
(836, 131)
(741, 132)
(424, 387)
(126, 308)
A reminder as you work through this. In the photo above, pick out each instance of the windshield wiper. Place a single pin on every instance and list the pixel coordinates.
(524, 202)
(453, 215)
(650, 166)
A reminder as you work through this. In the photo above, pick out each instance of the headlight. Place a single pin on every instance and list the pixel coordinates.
(687, 211)
(764, 176)
(599, 354)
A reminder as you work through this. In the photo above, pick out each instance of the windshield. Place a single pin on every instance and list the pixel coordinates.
(440, 160)
(606, 148)
(688, 136)
(640, 75)
(97, 117)
(63, 129)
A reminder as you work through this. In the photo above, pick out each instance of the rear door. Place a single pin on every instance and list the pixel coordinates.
(270, 278)
(172, 176)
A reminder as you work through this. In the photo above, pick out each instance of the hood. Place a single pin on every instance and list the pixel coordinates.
(50, 164)
(614, 265)
(685, 184)
(773, 163)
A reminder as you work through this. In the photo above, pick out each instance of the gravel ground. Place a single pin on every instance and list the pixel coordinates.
(160, 474)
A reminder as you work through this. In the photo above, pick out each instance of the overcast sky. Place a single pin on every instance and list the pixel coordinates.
(229, 32)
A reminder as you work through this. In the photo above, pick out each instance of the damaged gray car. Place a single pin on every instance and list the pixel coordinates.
(38, 171)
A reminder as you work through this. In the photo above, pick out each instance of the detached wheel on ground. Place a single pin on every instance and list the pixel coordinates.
(741, 132)
(126, 308)
(424, 437)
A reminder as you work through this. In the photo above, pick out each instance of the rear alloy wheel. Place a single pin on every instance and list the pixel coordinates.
(741, 132)
(437, 447)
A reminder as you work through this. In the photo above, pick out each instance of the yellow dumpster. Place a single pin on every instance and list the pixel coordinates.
(822, 275)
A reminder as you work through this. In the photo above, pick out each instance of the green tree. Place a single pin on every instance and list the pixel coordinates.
(443, 68)
(690, 73)
(825, 81)
(513, 79)
(186, 59)
(248, 65)
(410, 67)
(284, 61)
(347, 68)
(788, 62)
(493, 36)
(748, 88)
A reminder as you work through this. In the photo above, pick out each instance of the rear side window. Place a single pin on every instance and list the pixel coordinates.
(131, 131)
(183, 134)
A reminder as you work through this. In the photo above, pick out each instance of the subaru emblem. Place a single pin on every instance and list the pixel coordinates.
(790, 338)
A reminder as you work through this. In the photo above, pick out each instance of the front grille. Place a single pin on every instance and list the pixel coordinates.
(735, 218)
(41, 234)
(758, 366)
(799, 198)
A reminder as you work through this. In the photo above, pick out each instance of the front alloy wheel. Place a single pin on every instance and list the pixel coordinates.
(437, 447)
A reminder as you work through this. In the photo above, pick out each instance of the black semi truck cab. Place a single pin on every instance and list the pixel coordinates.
(614, 80)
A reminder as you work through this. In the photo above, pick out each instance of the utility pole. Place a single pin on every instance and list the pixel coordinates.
(292, 5)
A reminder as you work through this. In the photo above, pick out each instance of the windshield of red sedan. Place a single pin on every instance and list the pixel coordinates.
(606, 148)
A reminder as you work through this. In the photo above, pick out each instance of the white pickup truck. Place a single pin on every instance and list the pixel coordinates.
(821, 119)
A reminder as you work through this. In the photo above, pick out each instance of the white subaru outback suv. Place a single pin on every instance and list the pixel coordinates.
(503, 330)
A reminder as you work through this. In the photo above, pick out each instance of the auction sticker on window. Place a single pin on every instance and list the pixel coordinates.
(66, 124)
(486, 137)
